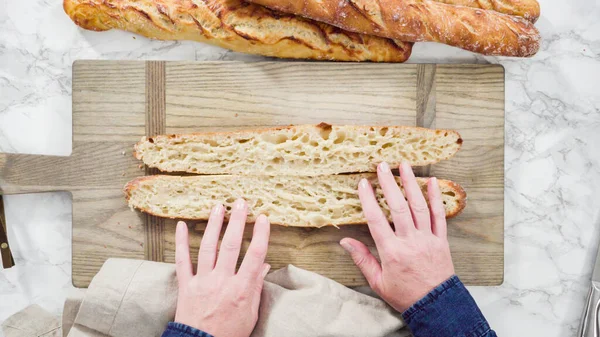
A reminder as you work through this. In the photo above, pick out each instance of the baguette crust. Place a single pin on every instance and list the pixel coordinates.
(528, 9)
(288, 201)
(235, 25)
(482, 31)
(298, 150)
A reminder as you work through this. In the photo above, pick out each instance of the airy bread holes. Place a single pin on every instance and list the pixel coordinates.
(210, 142)
(274, 138)
(325, 133)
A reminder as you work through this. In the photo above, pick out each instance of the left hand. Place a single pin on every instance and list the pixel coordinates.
(217, 300)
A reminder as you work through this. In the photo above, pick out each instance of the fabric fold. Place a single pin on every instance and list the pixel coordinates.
(138, 298)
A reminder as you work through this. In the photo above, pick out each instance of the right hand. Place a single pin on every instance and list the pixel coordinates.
(416, 257)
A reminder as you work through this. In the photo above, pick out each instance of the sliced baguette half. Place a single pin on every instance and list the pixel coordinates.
(298, 201)
(298, 150)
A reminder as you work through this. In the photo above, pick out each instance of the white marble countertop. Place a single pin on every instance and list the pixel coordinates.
(552, 161)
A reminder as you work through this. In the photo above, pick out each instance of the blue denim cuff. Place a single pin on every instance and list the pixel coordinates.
(181, 330)
(447, 311)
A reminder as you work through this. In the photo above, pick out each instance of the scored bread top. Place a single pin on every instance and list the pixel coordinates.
(286, 200)
(235, 25)
(298, 150)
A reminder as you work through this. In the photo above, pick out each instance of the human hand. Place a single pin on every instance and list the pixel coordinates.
(217, 300)
(416, 257)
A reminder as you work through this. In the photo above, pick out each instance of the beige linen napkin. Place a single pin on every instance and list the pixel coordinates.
(32, 321)
(138, 298)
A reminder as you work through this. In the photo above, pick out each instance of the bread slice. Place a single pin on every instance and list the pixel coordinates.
(298, 201)
(298, 150)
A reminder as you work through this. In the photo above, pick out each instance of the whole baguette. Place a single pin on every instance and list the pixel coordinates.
(235, 25)
(287, 200)
(528, 9)
(481, 31)
(298, 150)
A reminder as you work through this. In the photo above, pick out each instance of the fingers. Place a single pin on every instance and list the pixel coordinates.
(265, 270)
(253, 264)
(183, 263)
(438, 212)
(378, 225)
(364, 260)
(399, 209)
(416, 200)
(210, 240)
(232, 240)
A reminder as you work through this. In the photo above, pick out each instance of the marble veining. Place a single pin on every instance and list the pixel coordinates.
(552, 161)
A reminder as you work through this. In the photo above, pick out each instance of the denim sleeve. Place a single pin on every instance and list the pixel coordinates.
(182, 330)
(447, 311)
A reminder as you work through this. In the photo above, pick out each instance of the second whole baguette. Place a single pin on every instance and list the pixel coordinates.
(286, 200)
(482, 31)
(528, 9)
(235, 25)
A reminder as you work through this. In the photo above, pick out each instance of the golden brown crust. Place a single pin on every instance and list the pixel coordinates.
(528, 9)
(460, 196)
(482, 31)
(235, 25)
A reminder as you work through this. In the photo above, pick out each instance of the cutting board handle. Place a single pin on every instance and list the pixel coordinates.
(27, 173)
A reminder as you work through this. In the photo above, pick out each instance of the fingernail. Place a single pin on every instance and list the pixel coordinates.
(240, 204)
(262, 218)
(433, 180)
(218, 209)
(384, 167)
(364, 183)
(348, 247)
(180, 226)
(266, 270)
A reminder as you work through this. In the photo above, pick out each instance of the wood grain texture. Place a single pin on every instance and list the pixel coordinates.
(109, 116)
(425, 105)
(7, 258)
(155, 125)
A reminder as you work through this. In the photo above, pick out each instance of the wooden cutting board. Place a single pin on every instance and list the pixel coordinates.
(116, 103)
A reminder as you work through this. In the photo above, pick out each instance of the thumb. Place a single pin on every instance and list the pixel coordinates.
(364, 260)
